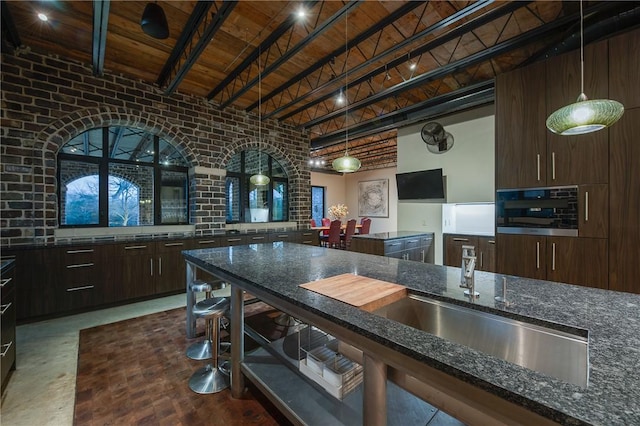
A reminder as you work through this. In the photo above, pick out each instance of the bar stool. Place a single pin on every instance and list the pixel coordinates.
(203, 349)
(210, 379)
(194, 287)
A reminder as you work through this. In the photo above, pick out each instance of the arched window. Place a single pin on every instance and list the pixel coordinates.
(247, 202)
(119, 176)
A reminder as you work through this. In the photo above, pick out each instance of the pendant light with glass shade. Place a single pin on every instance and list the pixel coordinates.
(346, 163)
(259, 179)
(584, 116)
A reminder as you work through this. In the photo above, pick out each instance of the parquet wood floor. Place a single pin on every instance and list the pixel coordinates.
(135, 372)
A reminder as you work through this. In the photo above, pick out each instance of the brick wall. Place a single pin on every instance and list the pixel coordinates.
(47, 100)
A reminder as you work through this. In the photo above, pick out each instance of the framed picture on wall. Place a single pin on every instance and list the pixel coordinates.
(373, 198)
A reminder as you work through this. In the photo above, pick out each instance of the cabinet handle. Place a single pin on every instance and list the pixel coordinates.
(394, 244)
(5, 281)
(80, 265)
(83, 287)
(586, 206)
(3, 308)
(306, 234)
(79, 251)
(537, 254)
(135, 247)
(151, 263)
(253, 238)
(538, 160)
(173, 244)
(4, 351)
(207, 242)
(481, 260)
(233, 240)
(553, 256)
(491, 242)
(553, 166)
(160, 266)
(422, 252)
(464, 240)
(283, 236)
(412, 241)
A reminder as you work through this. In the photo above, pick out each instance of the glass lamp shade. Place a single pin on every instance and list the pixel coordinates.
(346, 164)
(585, 116)
(259, 179)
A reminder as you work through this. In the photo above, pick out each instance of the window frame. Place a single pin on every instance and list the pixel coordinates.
(103, 181)
(243, 179)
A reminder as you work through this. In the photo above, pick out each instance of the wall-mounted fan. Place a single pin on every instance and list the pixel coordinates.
(437, 139)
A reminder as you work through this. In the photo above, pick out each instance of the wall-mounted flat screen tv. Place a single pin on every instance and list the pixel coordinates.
(421, 185)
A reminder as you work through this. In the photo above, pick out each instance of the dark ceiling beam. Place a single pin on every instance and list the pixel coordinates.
(295, 49)
(264, 46)
(116, 142)
(99, 43)
(387, 20)
(467, 97)
(9, 27)
(513, 43)
(444, 23)
(214, 25)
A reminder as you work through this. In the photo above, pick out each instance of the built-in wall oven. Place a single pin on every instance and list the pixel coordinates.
(538, 211)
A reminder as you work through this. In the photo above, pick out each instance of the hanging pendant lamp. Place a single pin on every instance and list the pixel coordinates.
(584, 116)
(346, 163)
(154, 21)
(259, 179)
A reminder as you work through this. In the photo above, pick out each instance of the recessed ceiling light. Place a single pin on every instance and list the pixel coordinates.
(43, 17)
(302, 13)
(413, 65)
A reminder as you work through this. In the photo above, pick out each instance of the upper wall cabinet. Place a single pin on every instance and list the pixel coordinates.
(528, 155)
(624, 66)
(520, 128)
(581, 158)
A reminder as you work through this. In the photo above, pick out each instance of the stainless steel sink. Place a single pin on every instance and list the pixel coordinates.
(548, 351)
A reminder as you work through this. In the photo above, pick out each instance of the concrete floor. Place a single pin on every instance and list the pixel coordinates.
(41, 390)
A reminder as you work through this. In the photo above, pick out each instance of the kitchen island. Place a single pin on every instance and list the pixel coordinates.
(473, 386)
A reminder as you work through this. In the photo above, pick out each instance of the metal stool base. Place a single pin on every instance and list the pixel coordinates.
(200, 350)
(208, 379)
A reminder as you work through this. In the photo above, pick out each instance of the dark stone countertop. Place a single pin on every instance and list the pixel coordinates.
(611, 318)
(394, 235)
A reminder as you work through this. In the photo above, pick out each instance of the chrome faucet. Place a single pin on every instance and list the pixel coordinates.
(467, 273)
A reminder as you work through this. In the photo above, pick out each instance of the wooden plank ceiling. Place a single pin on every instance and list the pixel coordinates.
(397, 62)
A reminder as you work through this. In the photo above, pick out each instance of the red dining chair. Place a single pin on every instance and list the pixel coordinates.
(312, 223)
(348, 233)
(366, 225)
(333, 240)
(326, 222)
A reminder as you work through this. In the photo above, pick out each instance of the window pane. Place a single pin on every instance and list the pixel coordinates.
(130, 144)
(252, 162)
(317, 204)
(233, 199)
(173, 197)
(170, 156)
(258, 203)
(235, 164)
(79, 193)
(88, 143)
(280, 200)
(130, 195)
(276, 169)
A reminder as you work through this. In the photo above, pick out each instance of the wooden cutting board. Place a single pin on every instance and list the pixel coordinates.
(365, 293)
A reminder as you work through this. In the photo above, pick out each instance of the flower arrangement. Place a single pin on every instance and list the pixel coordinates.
(338, 212)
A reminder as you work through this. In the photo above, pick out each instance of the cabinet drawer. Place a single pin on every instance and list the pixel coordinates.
(135, 249)
(393, 246)
(250, 239)
(171, 246)
(209, 242)
(235, 241)
(8, 285)
(77, 255)
(282, 236)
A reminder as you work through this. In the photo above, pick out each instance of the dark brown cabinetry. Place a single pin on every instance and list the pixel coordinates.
(564, 259)
(171, 268)
(521, 140)
(624, 207)
(418, 247)
(82, 277)
(484, 246)
(624, 63)
(7, 321)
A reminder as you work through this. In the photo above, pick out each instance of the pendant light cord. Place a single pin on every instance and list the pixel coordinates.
(346, 84)
(581, 51)
(259, 111)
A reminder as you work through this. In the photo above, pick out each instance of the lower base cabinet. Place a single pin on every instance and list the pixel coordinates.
(8, 323)
(485, 251)
(418, 248)
(570, 260)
